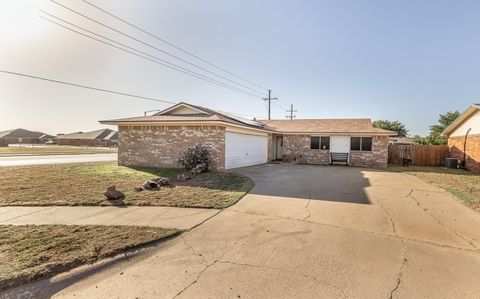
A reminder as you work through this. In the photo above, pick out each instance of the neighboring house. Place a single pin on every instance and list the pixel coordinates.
(48, 139)
(104, 137)
(20, 136)
(159, 140)
(464, 138)
(401, 140)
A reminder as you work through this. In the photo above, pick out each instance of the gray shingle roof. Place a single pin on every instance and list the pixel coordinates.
(103, 134)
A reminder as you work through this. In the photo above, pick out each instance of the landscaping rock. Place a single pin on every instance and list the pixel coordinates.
(113, 194)
(182, 177)
(149, 185)
(138, 189)
(162, 181)
(199, 168)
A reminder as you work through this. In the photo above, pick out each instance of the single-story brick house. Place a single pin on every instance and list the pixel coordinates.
(22, 136)
(159, 140)
(464, 138)
(103, 137)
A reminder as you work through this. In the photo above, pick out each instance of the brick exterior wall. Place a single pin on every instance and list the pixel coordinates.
(297, 148)
(270, 148)
(378, 157)
(16, 140)
(161, 146)
(456, 145)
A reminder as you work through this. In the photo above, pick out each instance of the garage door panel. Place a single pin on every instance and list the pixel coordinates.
(244, 150)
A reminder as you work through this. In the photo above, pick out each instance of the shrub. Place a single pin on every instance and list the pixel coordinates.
(195, 156)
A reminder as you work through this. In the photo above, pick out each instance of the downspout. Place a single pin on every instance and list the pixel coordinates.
(464, 162)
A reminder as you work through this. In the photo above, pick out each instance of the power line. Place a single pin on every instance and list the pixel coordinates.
(100, 89)
(166, 64)
(151, 46)
(172, 45)
(86, 87)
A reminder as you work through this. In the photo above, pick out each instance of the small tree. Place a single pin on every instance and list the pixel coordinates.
(435, 137)
(444, 121)
(395, 126)
(195, 156)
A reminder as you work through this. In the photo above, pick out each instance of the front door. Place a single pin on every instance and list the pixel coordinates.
(340, 144)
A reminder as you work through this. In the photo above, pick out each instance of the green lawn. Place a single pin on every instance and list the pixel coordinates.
(84, 184)
(30, 252)
(462, 184)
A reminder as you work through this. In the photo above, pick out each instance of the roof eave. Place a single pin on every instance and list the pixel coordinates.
(459, 120)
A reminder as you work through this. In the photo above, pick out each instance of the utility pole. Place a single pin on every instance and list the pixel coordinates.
(291, 116)
(269, 100)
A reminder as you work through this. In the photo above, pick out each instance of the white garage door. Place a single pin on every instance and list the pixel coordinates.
(244, 150)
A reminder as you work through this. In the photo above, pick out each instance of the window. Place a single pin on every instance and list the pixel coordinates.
(325, 143)
(361, 143)
(366, 144)
(320, 143)
(314, 142)
(355, 143)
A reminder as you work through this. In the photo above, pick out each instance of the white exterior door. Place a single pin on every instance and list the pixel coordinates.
(340, 144)
(244, 150)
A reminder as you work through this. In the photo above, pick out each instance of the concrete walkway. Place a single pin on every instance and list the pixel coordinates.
(167, 217)
(304, 232)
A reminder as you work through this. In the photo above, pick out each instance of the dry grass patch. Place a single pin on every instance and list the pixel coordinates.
(30, 252)
(462, 184)
(29, 150)
(84, 184)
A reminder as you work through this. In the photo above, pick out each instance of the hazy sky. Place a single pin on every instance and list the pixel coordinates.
(397, 60)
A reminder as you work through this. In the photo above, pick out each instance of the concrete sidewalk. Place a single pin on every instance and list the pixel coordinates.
(166, 217)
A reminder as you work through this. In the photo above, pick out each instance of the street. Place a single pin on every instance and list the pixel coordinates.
(55, 159)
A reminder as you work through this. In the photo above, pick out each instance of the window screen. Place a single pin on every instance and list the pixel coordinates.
(355, 144)
(325, 143)
(314, 142)
(366, 143)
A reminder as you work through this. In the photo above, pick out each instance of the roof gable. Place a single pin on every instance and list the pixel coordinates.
(461, 119)
(21, 133)
(183, 109)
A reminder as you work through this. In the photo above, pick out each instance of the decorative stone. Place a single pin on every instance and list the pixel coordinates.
(138, 189)
(199, 168)
(162, 181)
(149, 185)
(182, 177)
(113, 194)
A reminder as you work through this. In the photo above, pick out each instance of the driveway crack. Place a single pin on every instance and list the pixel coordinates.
(307, 206)
(401, 270)
(360, 230)
(390, 218)
(203, 260)
(410, 195)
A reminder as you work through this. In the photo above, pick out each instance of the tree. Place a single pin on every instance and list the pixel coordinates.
(435, 136)
(395, 126)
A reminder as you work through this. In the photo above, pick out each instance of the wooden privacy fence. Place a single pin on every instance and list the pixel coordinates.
(417, 154)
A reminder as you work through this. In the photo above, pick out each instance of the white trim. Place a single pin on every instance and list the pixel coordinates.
(459, 120)
(183, 123)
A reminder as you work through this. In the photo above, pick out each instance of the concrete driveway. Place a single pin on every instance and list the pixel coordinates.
(307, 232)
